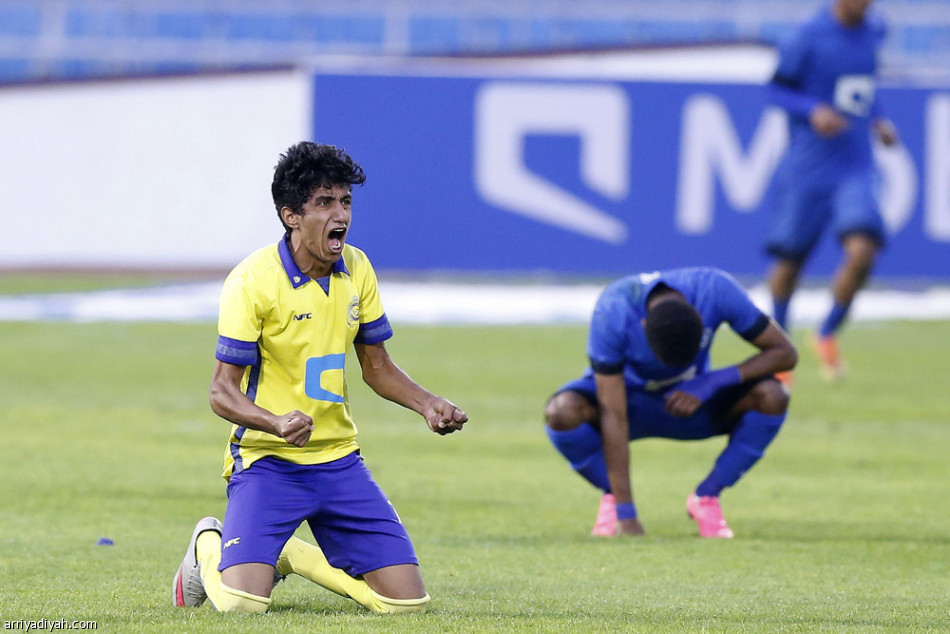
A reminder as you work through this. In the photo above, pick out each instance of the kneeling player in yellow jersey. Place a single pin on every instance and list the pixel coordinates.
(288, 314)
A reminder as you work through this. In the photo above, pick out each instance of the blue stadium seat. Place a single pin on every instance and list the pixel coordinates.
(108, 37)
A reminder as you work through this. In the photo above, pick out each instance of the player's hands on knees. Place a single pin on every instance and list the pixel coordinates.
(443, 417)
(295, 427)
(629, 527)
(690, 394)
(826, 121)
(682, 404)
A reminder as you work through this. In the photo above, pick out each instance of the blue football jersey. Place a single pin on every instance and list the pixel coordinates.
(828, 62)
(617, 341)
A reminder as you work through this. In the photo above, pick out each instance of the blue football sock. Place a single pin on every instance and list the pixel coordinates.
(780, 311)
(834, 319)
(746, 445)
(584, 449)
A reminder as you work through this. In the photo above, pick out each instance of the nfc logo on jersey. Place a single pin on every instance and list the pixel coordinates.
(317, 368)
(303, 316)
(507, 112)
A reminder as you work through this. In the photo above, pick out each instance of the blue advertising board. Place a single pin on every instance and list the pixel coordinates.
(520, 174)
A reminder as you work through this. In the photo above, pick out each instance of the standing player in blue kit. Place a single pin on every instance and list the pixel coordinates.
(826, 81)
(649, 376)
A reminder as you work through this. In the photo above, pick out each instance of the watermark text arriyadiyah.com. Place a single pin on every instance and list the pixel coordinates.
(25, 625)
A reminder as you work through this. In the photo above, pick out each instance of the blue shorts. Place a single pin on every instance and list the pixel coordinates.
(351, 519)
(802, 212)
(648, 417)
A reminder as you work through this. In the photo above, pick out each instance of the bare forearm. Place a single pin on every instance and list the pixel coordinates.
(236, 408)
(767, 363)
(617, 456)
(389, 381)
(393, 384)
(776, 354)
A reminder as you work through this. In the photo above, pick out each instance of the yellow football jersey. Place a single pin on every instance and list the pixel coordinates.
(292, 333)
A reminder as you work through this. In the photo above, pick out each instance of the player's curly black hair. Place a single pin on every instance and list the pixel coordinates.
(674, 331)
(307, 166)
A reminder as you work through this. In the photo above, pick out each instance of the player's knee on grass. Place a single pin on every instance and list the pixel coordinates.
(385, 605)
(567, 410)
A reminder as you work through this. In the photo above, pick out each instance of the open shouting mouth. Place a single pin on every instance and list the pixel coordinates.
(336, 239)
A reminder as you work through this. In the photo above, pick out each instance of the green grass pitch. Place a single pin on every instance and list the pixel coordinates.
(844, 526)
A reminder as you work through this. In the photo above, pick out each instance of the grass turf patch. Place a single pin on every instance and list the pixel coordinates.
(842, 527)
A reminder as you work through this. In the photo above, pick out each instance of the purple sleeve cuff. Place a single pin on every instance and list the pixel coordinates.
(374, 331)
(236, 352)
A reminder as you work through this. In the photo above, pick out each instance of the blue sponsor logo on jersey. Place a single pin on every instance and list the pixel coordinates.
(316, 366)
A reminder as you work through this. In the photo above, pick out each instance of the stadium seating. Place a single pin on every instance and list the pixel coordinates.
(93, 38)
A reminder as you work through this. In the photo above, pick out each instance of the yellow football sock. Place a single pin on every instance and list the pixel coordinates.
(222, 597)
(231, 600)
(309, 562)
(208, 553)
(395, 606)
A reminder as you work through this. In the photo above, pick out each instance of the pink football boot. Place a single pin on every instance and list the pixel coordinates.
(708, 515)
(606, 517)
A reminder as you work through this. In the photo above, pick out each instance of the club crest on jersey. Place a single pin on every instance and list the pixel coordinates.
(353, 312)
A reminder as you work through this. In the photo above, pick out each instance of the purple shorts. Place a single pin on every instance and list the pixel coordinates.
(351, 519)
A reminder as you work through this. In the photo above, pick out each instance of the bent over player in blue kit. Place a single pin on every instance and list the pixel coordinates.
(649, 376)
(288, 314)
(825, 80)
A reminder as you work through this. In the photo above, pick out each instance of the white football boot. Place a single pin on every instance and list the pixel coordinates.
(187, 588)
